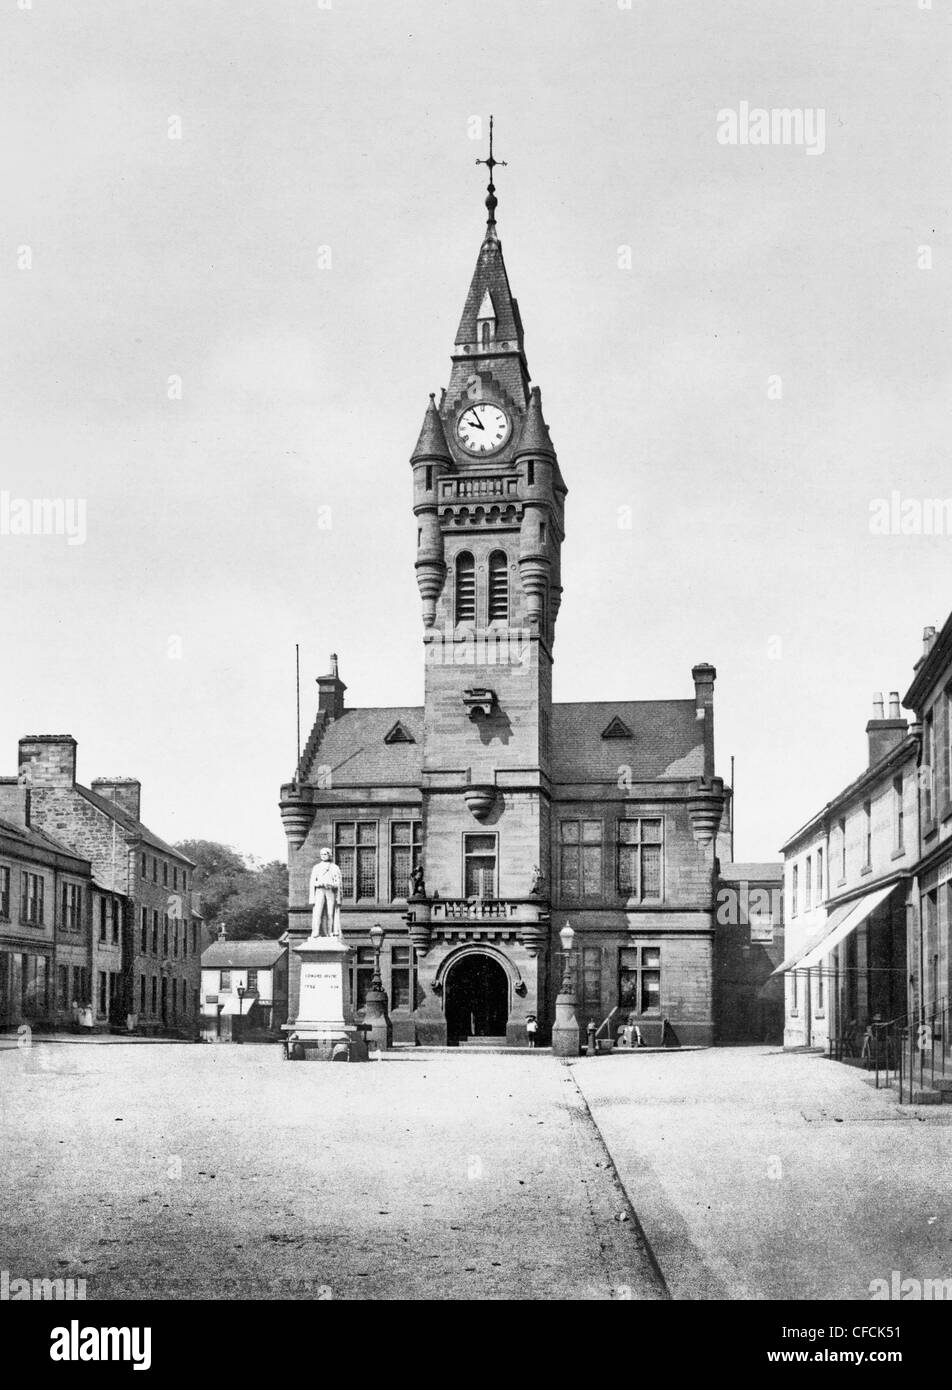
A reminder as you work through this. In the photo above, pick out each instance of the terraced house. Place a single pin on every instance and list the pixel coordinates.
(847, 876)
(45, 899)
(475, 826)
(141, 915)
(868, 884)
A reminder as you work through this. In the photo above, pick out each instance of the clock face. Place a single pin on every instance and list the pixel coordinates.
(482, 428)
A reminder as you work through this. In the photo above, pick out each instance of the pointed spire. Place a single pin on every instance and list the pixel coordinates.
(535, 432)
(490, 281)
(432, 442)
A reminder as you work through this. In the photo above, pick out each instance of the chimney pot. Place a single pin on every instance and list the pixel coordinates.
(928, 638)
(878, 705)
(894, 705)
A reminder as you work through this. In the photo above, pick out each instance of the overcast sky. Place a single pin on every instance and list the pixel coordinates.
(165, 642)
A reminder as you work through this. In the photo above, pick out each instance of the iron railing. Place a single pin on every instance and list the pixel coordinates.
(910, 1052)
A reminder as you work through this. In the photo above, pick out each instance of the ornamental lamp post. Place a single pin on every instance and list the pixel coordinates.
(376, 940)
(567, 936)
(565, 1030)
(242, 991)
(376, 1015)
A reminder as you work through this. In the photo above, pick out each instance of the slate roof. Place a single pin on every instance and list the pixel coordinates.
(238, 955)
(130, 825)
(490, 274)
(32, 838)
(667, 740)
(353, 748)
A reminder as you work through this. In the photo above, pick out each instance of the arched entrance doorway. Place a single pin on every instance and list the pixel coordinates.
(476, 998)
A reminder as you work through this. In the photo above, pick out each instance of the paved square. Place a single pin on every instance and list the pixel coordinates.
(759, 1174)
(209, 1172)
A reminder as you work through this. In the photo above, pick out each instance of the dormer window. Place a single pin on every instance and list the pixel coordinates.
(486, 322)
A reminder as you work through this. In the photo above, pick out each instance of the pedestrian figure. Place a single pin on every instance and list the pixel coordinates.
(532, 1028)
(631, 1033)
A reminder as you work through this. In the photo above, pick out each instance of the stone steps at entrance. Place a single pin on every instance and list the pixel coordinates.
(483, 1042)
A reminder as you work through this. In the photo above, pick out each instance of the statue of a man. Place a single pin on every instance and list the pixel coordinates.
(325, 890)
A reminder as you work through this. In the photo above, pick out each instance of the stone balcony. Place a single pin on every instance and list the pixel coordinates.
(523, 919)
(464, 489)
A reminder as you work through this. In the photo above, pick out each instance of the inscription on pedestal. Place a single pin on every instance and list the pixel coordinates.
(322, 992)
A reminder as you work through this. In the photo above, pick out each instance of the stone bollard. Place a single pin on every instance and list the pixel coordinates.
(590, 1045)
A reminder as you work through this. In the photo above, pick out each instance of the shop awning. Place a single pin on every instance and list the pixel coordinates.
(857, 915)
(796, 956)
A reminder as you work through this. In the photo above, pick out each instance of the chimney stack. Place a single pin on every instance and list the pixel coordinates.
(885, 734)
(331, 689)
(704, 675)
(15, 802)
(126, 792)
(48, 760)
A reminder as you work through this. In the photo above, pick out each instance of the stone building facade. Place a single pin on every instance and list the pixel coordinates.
(930, 959)
(847, 877)
(45, 904)
(475, 826)
(141, 920)
(748, 947)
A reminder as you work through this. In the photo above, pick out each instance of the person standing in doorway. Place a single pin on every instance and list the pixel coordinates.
(532, 1028)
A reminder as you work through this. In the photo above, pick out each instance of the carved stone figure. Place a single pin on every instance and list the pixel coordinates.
(325, 893)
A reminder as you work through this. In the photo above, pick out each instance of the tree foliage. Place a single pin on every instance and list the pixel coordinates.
(249, 897)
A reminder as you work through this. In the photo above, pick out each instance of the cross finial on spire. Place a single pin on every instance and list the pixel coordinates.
(491, 163)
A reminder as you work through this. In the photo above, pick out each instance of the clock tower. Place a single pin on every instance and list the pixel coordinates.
(473, 829)
(488, 498)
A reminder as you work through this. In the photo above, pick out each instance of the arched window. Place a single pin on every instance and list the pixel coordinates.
(465, 588)
(498, 587)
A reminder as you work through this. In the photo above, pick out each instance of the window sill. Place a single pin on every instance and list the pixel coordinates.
(946, 812)
(841, 883)
(898, 853)
(866, 869)
(929, 828)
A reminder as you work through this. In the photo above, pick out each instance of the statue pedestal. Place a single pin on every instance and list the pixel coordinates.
(320, 1025)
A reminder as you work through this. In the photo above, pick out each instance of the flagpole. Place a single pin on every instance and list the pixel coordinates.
(297, 678)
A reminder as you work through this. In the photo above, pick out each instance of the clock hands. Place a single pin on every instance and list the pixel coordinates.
(471, 414)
